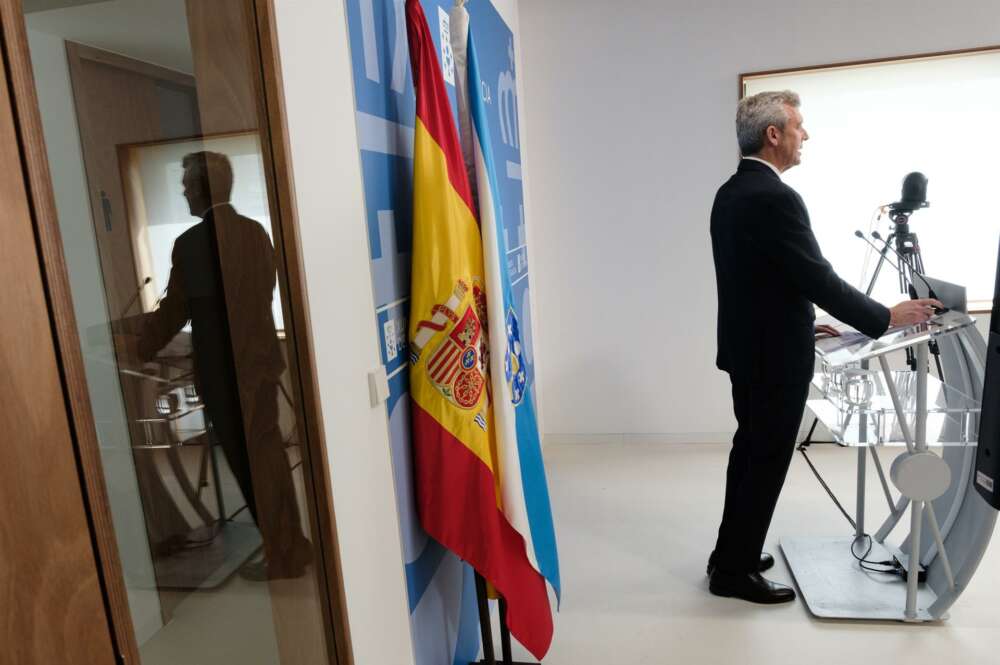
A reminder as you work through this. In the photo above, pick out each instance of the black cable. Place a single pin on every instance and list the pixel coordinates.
(863, 559)
(893, 567)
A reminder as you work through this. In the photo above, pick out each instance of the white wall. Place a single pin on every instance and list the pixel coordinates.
(316, 68)
(630, 107)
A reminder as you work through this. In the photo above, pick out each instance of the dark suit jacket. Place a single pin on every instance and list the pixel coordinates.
(769, 271)
(222, 279)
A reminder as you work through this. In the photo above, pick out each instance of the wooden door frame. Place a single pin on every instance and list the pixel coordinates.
(78, 52)
(275, 131)
(49, 568)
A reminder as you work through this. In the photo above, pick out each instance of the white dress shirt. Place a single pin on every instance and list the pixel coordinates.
(764, 161)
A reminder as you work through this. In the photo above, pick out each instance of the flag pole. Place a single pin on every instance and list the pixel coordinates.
(486, 628)
(504, 632)
(484, 622)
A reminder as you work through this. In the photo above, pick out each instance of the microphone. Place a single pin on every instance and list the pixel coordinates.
(135, 296)
(930, 289)
(873, 246)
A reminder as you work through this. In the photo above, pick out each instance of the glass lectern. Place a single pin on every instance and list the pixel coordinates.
(870, 401)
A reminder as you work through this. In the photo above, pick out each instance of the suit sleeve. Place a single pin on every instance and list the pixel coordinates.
(160, 325)
(786, 238)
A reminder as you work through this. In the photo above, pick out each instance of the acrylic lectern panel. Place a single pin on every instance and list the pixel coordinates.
(854, 347)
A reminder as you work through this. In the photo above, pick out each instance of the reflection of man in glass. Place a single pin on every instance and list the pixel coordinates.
(222, 278)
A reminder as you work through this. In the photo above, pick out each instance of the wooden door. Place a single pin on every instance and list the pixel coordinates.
(120, 101)
(298, 619)
(50, 589)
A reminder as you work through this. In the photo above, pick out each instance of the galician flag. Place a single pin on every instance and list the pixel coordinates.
(457, 465)
(523, 488)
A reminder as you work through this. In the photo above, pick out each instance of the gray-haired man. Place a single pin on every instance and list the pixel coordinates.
(769, 272)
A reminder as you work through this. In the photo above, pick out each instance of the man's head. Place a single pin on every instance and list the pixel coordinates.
(769, 126)
(208, 180)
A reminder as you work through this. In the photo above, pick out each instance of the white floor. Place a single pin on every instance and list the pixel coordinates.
(635, 524)
(236, 622)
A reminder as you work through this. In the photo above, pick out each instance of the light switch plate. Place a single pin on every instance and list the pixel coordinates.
(378, 385)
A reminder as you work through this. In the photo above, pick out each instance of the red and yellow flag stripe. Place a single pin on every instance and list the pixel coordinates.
(455, 460)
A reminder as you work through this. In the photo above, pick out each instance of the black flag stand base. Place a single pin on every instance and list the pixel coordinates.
(489, 658)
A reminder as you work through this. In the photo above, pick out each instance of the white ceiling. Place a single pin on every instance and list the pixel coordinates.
(153, 31)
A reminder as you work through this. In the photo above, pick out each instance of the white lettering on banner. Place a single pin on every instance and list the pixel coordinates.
(447, 57)
(380, 135)
(389, 335)
(368, 40)
(507, 98)
(391, 263)
(400, 49)
(390, 305)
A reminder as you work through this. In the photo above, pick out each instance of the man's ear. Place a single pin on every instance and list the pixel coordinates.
(773, 135)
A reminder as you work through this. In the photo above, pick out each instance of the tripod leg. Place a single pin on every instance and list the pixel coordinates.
(808, 440)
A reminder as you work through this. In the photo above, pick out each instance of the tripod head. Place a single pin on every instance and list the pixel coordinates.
(906, 240)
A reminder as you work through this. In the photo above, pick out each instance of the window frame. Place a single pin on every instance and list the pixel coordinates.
(975, 306)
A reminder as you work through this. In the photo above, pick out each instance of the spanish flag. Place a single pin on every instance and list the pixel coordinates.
(456, 468)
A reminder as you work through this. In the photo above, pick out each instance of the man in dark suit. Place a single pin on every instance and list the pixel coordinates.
(769, 273)
(222, 279)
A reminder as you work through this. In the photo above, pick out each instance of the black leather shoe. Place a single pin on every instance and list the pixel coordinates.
(766, 563)
(749, 586)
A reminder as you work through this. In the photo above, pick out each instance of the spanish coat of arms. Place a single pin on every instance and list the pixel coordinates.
(457, 365)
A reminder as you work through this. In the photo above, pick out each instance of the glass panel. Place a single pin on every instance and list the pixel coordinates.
(852, 346)
(857, 408)
(160, 166)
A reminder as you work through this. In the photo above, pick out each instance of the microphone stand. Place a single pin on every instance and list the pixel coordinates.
(135, 296)
(882, 258)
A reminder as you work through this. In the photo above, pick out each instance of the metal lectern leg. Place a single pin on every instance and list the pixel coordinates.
(896, 403)
(859, 509)
(917, 507)
(859, 517)
(913, 574)
(912, 445)
(921, 414)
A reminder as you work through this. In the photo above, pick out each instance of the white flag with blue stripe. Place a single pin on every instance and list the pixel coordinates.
(524, 490)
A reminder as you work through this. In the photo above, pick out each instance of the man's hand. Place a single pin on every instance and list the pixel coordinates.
(824, 330)
(909, 312)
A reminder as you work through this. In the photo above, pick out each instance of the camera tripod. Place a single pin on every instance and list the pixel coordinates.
(911, 263)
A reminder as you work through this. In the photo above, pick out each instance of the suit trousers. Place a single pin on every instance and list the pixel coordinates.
(256, 456)
(768, 419)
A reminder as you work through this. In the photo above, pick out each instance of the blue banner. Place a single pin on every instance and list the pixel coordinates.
(444, 618)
